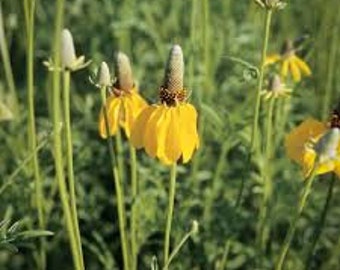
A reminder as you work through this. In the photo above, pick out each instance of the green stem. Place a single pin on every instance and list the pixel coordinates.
(260, 80)
(29, 9)
(69, 159)
(134, 208)
(331, 68)
(320, 224)
(178, 248)
(118, 187)
(264, 228)
(301, 205)
(224, 260)
(7, 66)
(57, 145)
(172, 190)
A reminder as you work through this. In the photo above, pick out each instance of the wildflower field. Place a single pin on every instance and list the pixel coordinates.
(158, 134)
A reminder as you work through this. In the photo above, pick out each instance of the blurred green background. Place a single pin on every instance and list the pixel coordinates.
(211, 33)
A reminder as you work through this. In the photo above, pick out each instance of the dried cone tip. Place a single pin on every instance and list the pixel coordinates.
(174, 70)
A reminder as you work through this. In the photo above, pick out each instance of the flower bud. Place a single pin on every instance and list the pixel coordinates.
(104, 78)
(68, 55)
(123, 72)
(275, 84)
(174, 70)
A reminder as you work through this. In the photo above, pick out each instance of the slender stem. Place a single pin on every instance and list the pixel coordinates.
(29, 9)
(224, 260)
(320, 224)
(177, 248)
(134, 208)
(69, 159)
(260, 80)
(301, 205)
(7, 65)
(57, 145)
(172, 190)
(118, 186)
(264, 228)
(39, 194)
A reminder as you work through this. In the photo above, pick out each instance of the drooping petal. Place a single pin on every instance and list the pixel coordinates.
(138, 129)
(284, 68)
(294, 70)
(112, 108)
(162, 132)
(309, 163)
(296, 140)
(150, 135)
(128, 112)
(271, 59)
(302, 65)
(188, 130)
(172, 149)
(138, 103)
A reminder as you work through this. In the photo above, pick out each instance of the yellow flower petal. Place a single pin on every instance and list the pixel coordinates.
(294, 70)
(302, 65)
(128, 115)
(172, 149)
(296, 140)
(271, 59)
(337, 167)
(138, 129)
(150, 135)
(188, 130)
(112, 108)
(284, 68)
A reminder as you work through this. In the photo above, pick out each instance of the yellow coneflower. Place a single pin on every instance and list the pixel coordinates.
(125, 103)
(168, 130)
(275, 89)
(316, 144)
(290, 62)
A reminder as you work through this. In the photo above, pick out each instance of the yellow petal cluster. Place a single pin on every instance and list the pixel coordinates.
(122, 111)
(290, 64)
(167, 132)
(312, 141)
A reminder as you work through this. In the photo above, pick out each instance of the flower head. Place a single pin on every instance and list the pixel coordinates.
(125, 103)
(69, 60)
(290, 62)
(275, 89)
(168, 130)
(315, 144)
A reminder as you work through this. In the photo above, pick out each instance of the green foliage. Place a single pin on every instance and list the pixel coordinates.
(221, 45)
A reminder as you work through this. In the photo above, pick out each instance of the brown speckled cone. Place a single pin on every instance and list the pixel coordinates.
(123, 72)
(174, 70)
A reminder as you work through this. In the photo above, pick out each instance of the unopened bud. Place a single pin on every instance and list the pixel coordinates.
(123, 72)
(104, 78)
(68, 54)
(194, 227)
(174, 70)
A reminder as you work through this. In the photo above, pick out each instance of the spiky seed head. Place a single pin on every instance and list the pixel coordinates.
(68, 54)
(123, 72)
(287, 47)
(104, 78)
(174, 70)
